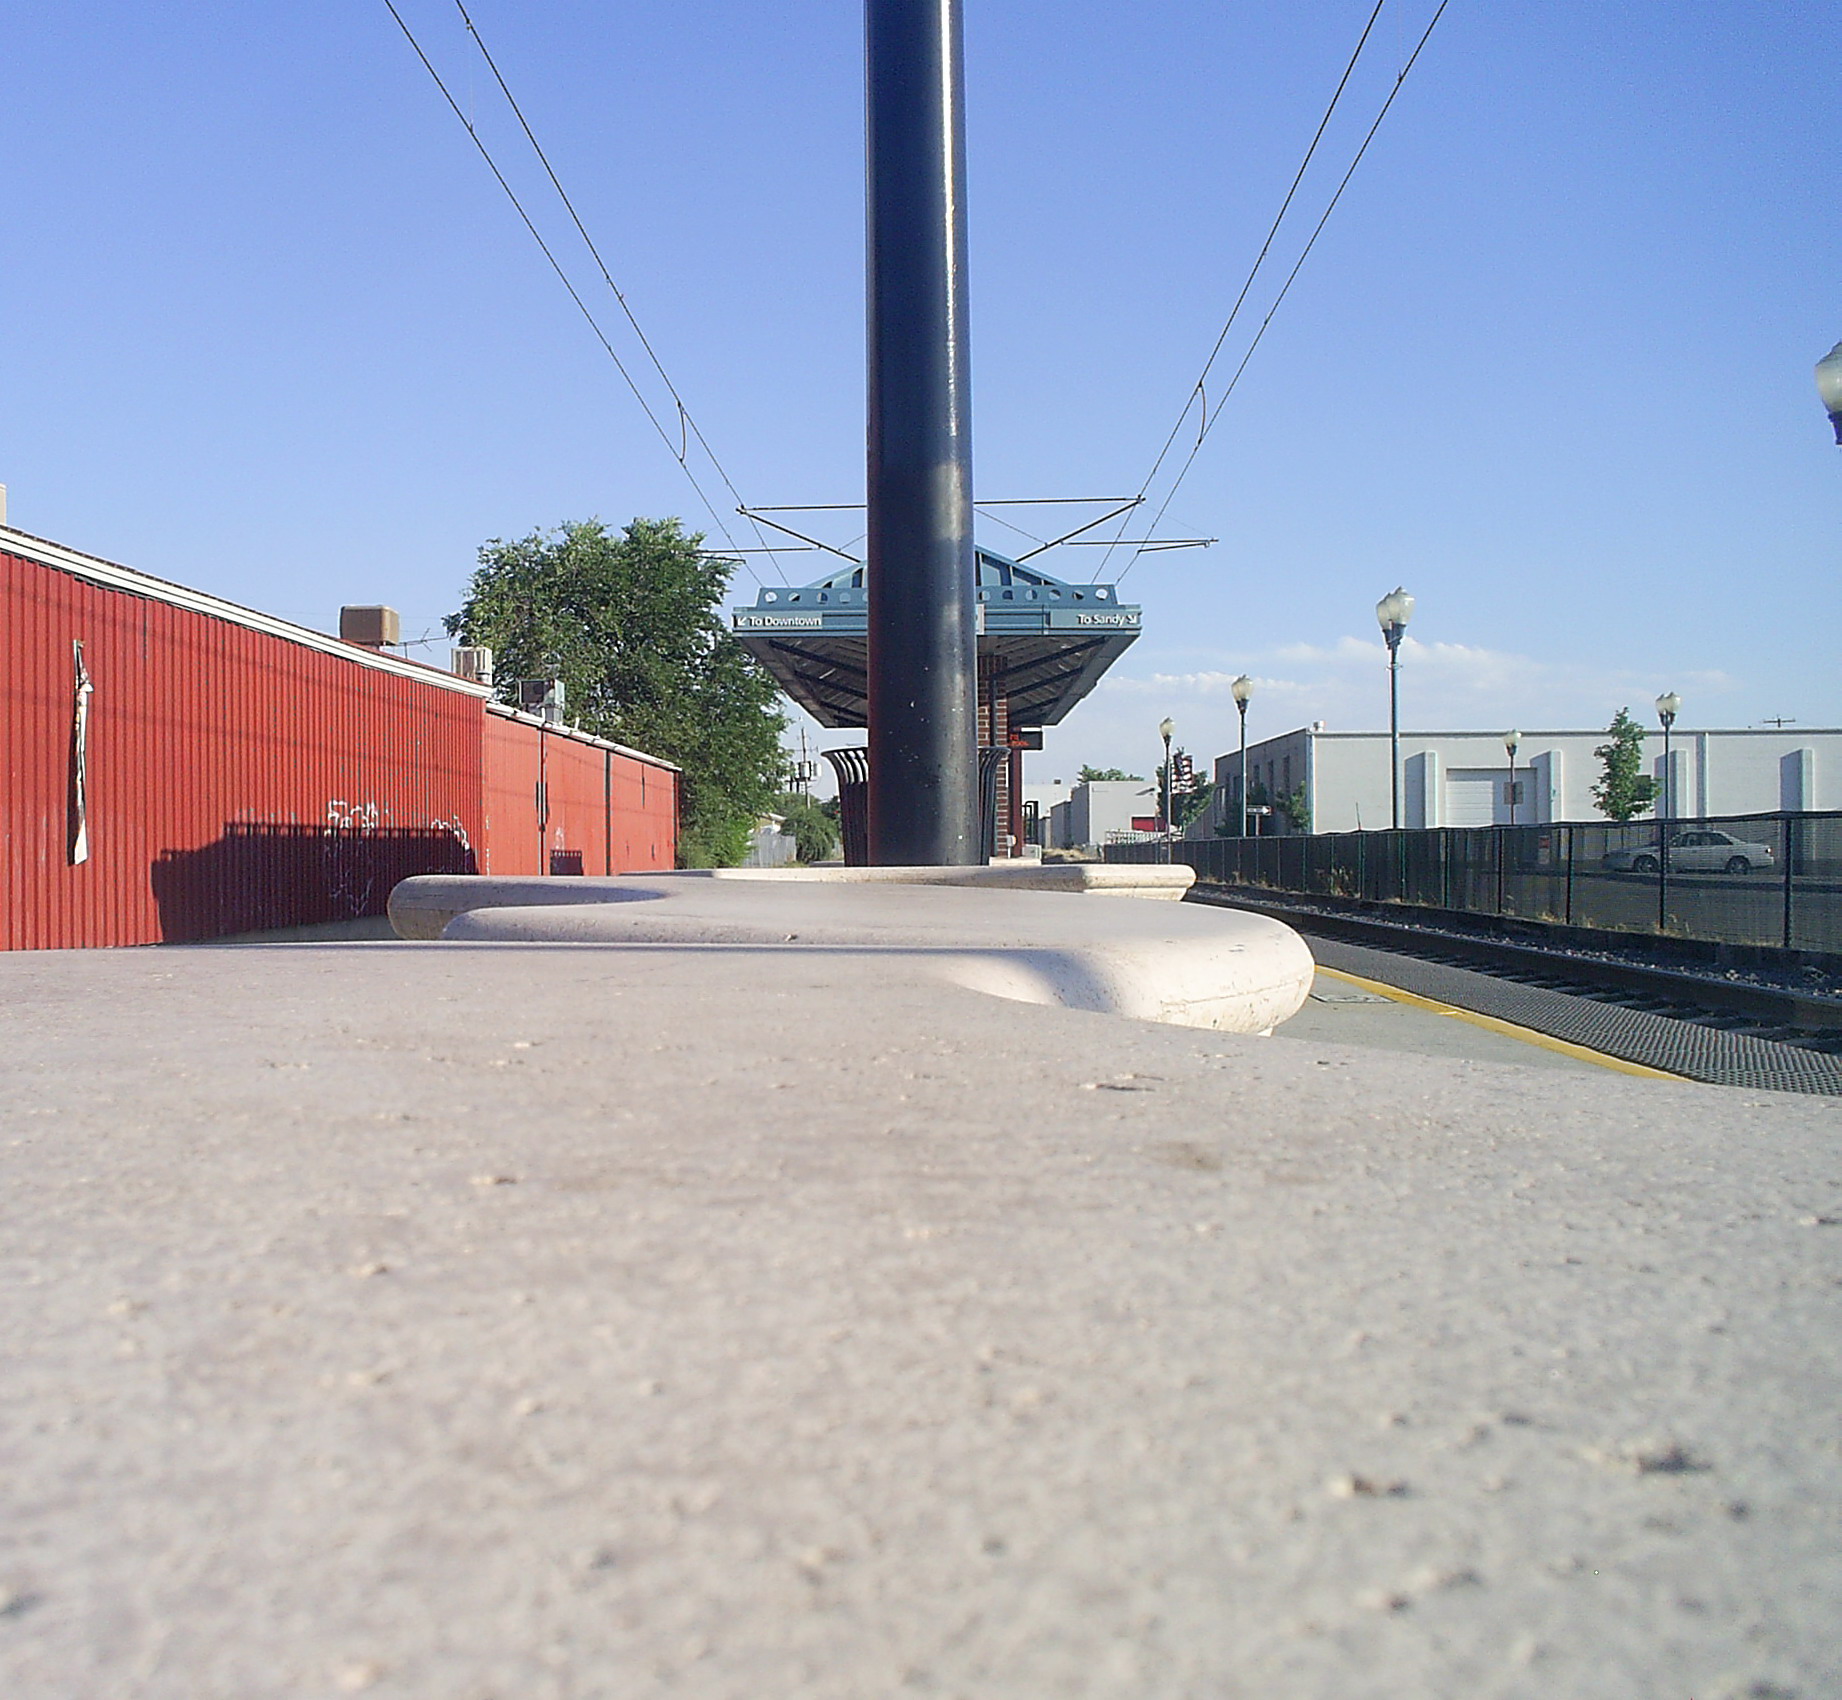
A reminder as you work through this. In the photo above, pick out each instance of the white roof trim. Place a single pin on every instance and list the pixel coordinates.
(116, 577)
(507, 712)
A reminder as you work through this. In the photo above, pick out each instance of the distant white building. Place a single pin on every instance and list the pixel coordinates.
(1463, 778)
(1095, 811)
(1039, 805)
(770, 847)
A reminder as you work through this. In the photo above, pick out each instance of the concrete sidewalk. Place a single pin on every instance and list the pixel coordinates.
(466, 1321)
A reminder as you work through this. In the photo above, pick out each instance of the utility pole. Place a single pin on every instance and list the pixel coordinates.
(923, 642)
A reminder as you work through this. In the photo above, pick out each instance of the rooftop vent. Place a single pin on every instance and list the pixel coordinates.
(542, 697)
(473, 663)
(371, 628)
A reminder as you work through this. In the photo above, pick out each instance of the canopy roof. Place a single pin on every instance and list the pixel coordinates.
(1052, 640)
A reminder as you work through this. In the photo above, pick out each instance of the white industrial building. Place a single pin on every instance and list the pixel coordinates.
(1463, 778)
(1093, 812)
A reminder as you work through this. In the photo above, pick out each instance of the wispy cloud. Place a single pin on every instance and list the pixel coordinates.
(1444, 687)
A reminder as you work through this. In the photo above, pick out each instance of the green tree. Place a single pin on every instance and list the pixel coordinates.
(1185, 803)
(1623, 793)
(630, 622)
(812, 829)
(1296, 807)
(1293, 804)
(1098, 775)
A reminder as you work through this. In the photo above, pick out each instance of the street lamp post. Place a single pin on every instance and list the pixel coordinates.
(1829, 386)
(1243, 690)
(1669, 705)
(1393, 612)
(1512, 741)
(1166, 727)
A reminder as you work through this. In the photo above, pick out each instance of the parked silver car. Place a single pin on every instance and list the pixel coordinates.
(1695, 850)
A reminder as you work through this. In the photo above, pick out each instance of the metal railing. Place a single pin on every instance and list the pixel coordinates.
(1772, 880)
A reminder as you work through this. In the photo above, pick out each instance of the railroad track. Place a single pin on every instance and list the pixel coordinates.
(1726, 1032)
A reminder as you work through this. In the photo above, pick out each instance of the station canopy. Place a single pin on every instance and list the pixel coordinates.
(1049, 641)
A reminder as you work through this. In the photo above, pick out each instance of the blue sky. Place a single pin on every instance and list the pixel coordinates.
(269, 328)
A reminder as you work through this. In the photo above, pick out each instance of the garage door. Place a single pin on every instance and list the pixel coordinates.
(1471, 794)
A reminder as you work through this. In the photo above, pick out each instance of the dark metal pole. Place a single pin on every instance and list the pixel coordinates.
(1669, 813)
(1243, 709)
(1790, 849)
(1669, 781)
(1167, 798)
(1393, 635)
(923, 660)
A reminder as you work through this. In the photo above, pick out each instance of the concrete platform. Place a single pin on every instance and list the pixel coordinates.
(465, 1322)
(1345, 1010)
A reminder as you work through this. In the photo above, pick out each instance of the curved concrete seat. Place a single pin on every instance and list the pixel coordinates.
(1194, 967)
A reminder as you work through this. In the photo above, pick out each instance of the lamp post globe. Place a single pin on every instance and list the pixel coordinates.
(1243, 689)
(1512, 741)
(1392, 614)
(1829, 386)
(1166, 727)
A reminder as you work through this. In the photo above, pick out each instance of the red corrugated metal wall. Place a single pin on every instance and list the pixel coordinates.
(510, 767)
(644, 812)
(236, 780)
(556, 804)
(575, 797)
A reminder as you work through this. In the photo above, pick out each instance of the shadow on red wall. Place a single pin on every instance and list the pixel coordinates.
(259, 876)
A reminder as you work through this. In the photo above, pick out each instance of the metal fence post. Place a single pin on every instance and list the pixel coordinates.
(1567, 902)
(1790, 841)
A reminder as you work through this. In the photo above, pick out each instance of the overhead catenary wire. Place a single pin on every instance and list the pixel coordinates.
(1115, 504)
(1198, 392)
(687, 423)
(1285, 288)
(1198, 389)
(575, 295)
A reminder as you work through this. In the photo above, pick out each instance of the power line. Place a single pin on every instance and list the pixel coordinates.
(1253, 271)
(684, 413)
(1208, 422)
(563, 277)
(1291, 277)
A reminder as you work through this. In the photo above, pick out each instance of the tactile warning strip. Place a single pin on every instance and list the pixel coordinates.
(1660, 1041)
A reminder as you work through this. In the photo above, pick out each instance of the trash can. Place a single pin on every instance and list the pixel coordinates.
(852, 766)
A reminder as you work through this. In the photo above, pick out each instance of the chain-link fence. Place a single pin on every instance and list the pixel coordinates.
(1771, 880)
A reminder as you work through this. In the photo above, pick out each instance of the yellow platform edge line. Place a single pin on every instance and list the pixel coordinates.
(1509, 1029)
